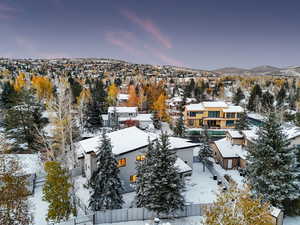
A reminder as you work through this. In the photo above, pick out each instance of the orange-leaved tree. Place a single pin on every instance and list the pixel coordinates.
(133, 99)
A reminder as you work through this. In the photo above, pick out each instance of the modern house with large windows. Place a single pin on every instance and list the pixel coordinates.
(214, 115)
(129, 146)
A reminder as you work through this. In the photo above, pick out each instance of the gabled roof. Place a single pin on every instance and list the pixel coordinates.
(228, 150)
(122, 109)
(129, 139)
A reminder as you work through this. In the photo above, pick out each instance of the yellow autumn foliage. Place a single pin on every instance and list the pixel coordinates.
(43, 87)
(20, 82)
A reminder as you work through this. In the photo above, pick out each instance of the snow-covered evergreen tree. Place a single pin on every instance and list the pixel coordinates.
(205, 150)
(105, 181)
(271, 168)
(179, 129)
(143, 174)
(238, 96)
(163, 184)
(242, 123)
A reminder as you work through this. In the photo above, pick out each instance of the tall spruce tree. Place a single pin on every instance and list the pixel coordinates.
(281, 96)
(254, 99)
(242, 123)
(105, 181)
(179, 129)
(268, 101)
(96, 106)
(205, 151)
(143, 173)
(238, 96)
(163, 185)
(271, 168)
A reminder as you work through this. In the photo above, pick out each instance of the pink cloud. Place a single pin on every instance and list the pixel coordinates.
(122, 39)
(148, 26)
(163, 57)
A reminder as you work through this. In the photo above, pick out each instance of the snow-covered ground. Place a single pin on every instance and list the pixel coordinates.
(234, 174)
(291, 220)
(38, 207)
(200, 187)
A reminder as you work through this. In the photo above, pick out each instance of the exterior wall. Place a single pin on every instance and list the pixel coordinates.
(130, 168)
(243, 163)
(202, 119)
(186, 155)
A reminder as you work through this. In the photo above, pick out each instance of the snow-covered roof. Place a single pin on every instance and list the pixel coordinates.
(144, 117)
(275, 211)
(291, 130)
(123, 97)
(122, 141)
(177, 143)
(122, 109)
(30, 163)
(228, 150)
(250, 134)
(233, 108)
(195, 107)
(235, 134)
(128, 139)
(215, 104)
(182, 166)
(256, 116)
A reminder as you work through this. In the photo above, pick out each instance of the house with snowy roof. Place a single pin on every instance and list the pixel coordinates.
(214, 115)
(126, 116)
(230, 151)
(129, 145)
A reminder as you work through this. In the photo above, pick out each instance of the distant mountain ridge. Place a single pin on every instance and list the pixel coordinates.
(260, 70)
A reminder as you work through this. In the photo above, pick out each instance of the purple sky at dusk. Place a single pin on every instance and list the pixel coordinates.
(192, 33)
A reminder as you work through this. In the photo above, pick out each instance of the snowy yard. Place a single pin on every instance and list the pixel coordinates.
(200, 187)
(39, 208)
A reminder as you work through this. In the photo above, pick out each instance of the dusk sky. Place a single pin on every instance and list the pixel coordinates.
(199, 34)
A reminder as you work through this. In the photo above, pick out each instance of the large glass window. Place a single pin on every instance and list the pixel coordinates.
(133, 178)
(230, 115)
(214, 114)
(139, 157)
(230, 123)
(194, 114)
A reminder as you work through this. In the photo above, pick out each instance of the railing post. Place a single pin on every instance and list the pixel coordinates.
(94, 218)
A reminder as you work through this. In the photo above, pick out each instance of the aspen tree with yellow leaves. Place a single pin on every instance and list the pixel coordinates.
(237, 206)
(43, 87)
(133, 98)
(160, 107)
(20, 82)
(113, 92)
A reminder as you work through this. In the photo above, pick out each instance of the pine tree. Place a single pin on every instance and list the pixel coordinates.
(179, 129)
(242, 123)
(105, 181)
(56, 191)
(238, 96)
(14, 207)
(281, 96)
(271, 168)
(143, 173)
(235, 207)
(254, 99)
(205, 151)
(164, 185)
(96, 107)
(8, 96)
(268, 101)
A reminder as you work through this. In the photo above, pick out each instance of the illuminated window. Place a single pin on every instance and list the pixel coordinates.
(140, 157)
(133, 178)
(122, 162)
